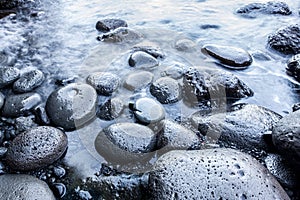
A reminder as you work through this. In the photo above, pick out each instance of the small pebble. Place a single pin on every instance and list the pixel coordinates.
(142, 60)
(29, 81)
(105, 83)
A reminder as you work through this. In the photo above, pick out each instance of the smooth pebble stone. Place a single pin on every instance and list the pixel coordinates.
(111, 109)
(293, 67)
(243, 126)
(2, 98)
(142, 60)
(138, 80)
(29, 81)
(20, 104)
(25, 187)
(173, 136)
(232, 57)
(185, 45)
(175, 71)
(59, 189)
(104, 82)
(166, 90)
(156, 52)
(36, 148)
(122, 34)
(59, 172)
(286, 40)
(107, 25)
(72, 106)
(8, 75)
(212, 174)
(286, 136)
(296, 107)
(148, 110)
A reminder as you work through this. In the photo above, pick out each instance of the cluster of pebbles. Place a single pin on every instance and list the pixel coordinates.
(208, 155)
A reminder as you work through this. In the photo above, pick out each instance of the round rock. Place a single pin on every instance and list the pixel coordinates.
(111, 109)
(8, 75)
(142, 60)
(29, 81)
(138, 80)
(286, 136)
(107, 25)
(72, 106)
(20, 104)
(25, 187)
(293, 67)
(166, 90)
(148, 110)
(104, 82)
(36, 148)
(232, 57)
(212, 174)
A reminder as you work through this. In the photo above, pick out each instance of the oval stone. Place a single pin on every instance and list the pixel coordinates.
(8, 75)
(25, 187)
(104, 82)
(72, 106)
(138, 80)
(29, 81)
(142, 60)
(232, 57)
(107, 25)
(36, 148)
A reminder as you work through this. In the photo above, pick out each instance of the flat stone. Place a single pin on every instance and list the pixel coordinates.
(25, 187)
(107, 25)
(119, 35)
(8, 75)
(166, 90)
(232, 57)
(111, 109)
(212, 174)
(104, 82)
(138, 80)
(142, 60)
(286, 40)
(293, 67)
(29, 81)
(20, 104)
(36, 148)
(286, 136)
(72, 106)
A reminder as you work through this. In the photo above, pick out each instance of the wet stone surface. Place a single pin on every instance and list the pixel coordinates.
(36, 148)
(29, 81)
(199, 174)
(2, 98)
(142, 60)
(138, 80)
(293, 67)
(107, 25)
(111, 109)
(105, 83)
(8, 75)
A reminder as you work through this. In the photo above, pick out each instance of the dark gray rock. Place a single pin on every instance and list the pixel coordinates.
(8, 75)
(25, 187)
(271, 7)
(212, 174)
(231, 57)
(148, 110)
(72, 106)
(142, 60)
(41, 116)
(243, 126)
(9, 4)
(138, 80)
(2, 98)
(293, 67)
(286, 136)
(104, 82)
(166, 90)
(111, 109)
(286, 40)
(36, 148)
(122, 34)
(296, 107)
(29, 81)
(156, 52)
(107, 25)
(20, 104)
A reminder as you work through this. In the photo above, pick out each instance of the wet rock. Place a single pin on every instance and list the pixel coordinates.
(107, 25)
(175, 71)
(20, 186)
(2, 98)
(24, 124)
(296, 107)
(142, 60)
(59, 189)
(138, 80)
(111, 109)
(72, 106)
(41, 116)
(174, 136)
(166, 90)
(286, 136)
(20, 104)
(122, 34)
(148, 110)
(9, 4)
(293, 67)
(29, 81)
(185, 45)
(243, 126)
(36, 148)
(156, 52)
(271, 7)
(286, 40)
(199, 175)
(104, 82)
(1, 135)
(8, 75)
(232, 57)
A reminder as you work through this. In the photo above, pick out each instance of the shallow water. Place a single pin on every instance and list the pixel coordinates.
(59, 37)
